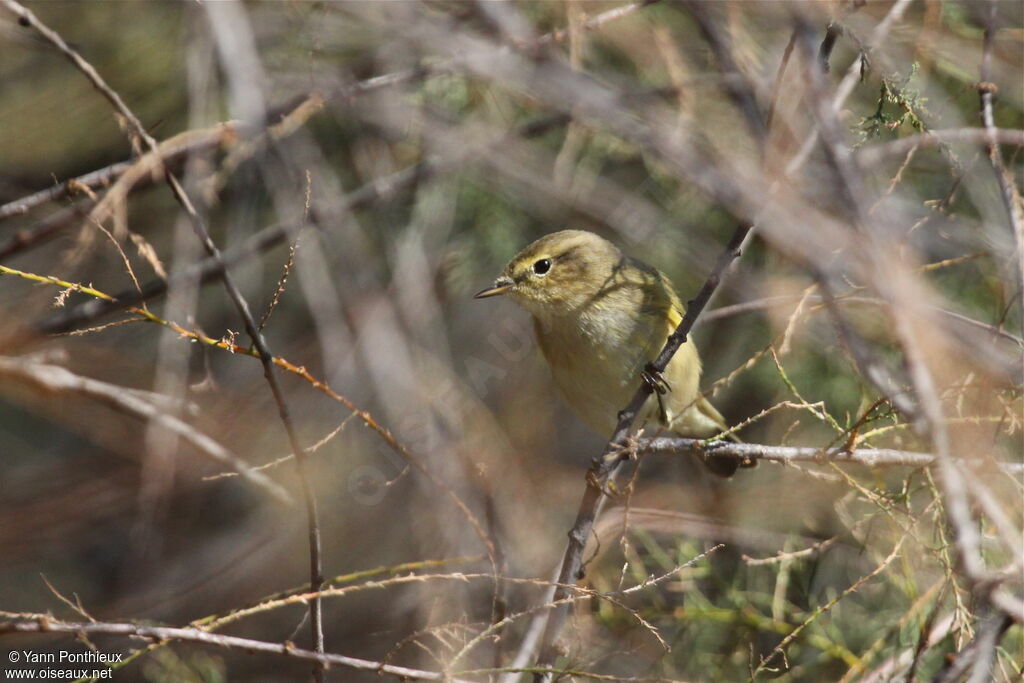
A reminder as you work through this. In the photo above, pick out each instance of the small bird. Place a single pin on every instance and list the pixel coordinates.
(600, 318)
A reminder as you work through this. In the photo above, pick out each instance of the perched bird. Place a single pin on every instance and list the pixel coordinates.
(600, 318)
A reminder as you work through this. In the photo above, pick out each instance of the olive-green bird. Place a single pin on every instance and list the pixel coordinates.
(600, 318)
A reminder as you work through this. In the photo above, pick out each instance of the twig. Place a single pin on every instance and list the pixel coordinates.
(979, 654)
(869, 155)
(281, 282)
(207, 623)
(737, 85)
(597, 21)
(75, 606)
(856, 672)
(46, 624)
(45, 229)
(56, 378)
(786, 556)
(930, 633)
(1007, 189)
(372, 192)
(172, 152)
(579, 594)
(300, 371)
(780, 648)
(869, 457)
(334, 589)
(266, 358)
(289, 118)
(201, 272)
(850, 80)
(770, 302)
(327, 438)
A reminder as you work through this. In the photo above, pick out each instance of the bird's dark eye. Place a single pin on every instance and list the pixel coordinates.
(541, 267)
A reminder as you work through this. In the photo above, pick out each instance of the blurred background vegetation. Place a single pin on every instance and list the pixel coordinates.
(115, 511)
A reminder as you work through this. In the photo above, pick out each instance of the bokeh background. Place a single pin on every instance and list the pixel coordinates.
(404, 151)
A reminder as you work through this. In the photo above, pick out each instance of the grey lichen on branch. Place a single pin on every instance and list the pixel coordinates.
(869, 457)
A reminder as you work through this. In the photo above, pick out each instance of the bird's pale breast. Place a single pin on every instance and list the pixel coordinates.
(596, 354)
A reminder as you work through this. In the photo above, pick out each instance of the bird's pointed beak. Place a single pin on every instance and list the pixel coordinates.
(501, 285)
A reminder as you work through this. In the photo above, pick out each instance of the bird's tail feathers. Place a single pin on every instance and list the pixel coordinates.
(720, 465)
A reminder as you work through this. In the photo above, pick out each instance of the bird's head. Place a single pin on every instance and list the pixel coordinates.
(558, 273)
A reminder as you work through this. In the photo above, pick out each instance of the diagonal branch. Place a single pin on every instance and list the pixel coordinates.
(737, 85)
(367, 195)
(54, 378)
(289, 118)
(300, 371)
(266, 358)
(172, 151)
(348, 91)
(1004, 178)
(927, 414)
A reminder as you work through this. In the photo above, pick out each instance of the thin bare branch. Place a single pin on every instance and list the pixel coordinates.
(242, 307)
(868, 457)
(1004, 178)
(870, 155)
(193, 635)
(57, 379)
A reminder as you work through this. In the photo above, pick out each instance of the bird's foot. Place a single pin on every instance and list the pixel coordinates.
(655, 380)
(607, 488)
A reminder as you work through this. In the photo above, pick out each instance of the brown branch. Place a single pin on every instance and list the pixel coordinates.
(266, 358)
(203, 630)
(43, 230)
(828, 44)
(201, 272)
(369, 194)
(288, 118)
(1006, 365)
(54, 378)
(736, 84)
(927, 413)
(850, 80)
(172, 152)
(870, 155)
(597, 21)
(852, 197)
(194, 635)
(1007, 189)
(979, 655)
